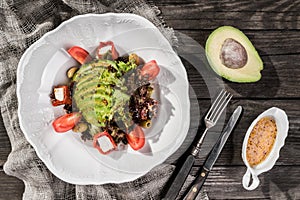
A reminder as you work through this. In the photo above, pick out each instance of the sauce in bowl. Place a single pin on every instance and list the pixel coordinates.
(261, 140)
(262, 144)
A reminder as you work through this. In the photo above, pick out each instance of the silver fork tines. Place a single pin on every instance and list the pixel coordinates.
(213, 116)
(218, 107)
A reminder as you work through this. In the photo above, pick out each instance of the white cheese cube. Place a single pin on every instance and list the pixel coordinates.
(105, 144)
(59, 94)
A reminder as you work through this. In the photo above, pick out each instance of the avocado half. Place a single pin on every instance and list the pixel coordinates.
(232, 56)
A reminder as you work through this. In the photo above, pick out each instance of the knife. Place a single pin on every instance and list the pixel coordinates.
(213, 156)
(185, 169)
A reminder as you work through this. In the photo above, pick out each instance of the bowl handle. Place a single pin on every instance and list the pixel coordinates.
(246, 180)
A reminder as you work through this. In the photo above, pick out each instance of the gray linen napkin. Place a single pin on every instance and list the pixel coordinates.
(22, 23)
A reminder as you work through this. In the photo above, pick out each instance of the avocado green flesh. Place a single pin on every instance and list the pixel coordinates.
(93, 103)
(91, 117)
(94, 88)
(250, 72)
(99, 92)
(93, 65)
(94, 68)
(87, 78)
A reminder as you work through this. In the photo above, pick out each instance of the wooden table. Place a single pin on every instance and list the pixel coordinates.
(274, 29)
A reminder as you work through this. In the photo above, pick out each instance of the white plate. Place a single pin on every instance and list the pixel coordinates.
(44, 65)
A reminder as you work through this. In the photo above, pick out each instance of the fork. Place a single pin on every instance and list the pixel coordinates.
(213, 116)
(210, 120)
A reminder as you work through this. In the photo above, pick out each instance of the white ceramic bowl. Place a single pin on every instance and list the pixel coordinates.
(44, 64)
(282, 124)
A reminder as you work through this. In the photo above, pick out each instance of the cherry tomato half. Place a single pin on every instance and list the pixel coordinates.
(136, 138)
(79, 54)
(151, 69)
(66, 122)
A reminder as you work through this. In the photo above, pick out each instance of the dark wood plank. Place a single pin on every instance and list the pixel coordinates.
(280, 79)
(236, 5)
(10, 187)
(267, 43)
(278, 183)
(5, 146)
(251, 15)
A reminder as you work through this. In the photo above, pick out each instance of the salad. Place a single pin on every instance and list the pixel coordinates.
(108, 99)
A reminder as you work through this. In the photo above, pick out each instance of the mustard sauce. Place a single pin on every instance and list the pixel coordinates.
(261, 140)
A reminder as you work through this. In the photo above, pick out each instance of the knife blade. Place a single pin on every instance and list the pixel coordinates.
(213, 156)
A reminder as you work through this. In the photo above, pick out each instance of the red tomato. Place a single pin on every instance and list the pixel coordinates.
(136, 138)
(79, 54)
(151, 69)
(98, 146)
(66, 122)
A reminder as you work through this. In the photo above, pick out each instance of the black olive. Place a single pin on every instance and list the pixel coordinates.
(86, 136)
(68, 108)
(124, 58)
(125, 141)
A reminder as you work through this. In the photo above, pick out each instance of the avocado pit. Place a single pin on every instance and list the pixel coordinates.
(233, 54)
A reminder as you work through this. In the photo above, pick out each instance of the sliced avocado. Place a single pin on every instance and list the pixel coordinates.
(90, 103)
(94, 87)
(232, 56)
(100, 92)
(97, 66)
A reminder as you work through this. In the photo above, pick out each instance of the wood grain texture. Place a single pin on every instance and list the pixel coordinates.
(280, 78)
(5, 146)
(279, 183)
(280, 6)
(250, 15)
(266, 42)
(11, 188)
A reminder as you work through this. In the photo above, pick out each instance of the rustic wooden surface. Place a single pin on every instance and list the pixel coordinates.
(274, 29)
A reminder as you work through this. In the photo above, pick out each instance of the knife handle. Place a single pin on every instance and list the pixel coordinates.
(197, 185)
(180, 178)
